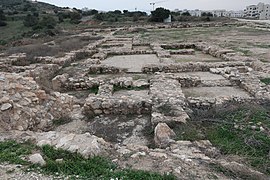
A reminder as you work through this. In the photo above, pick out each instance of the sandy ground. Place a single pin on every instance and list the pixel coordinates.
(215, 92)
(133, 63)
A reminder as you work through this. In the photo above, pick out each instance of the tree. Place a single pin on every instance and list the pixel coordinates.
(100, 16)
(160, 14)
(2, 15)
(47, 22)
(30, 20)
(186, 13)
(207, 14)
(60, 18)
(117, 12)
(90, 12)
(75, 17)
(2, 18)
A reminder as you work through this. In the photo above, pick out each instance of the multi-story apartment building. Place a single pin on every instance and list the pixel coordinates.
(252, 11)
(264, 11)
(260, 11)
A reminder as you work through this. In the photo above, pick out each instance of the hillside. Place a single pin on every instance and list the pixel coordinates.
(22, 19)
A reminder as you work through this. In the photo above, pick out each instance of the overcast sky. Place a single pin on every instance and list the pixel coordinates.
(144, 5)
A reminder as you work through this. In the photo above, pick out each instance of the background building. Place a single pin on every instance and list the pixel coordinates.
(260, 11)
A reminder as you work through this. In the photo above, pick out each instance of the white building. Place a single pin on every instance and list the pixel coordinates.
(196, 12)
(235, 14)
(264, 11)
(260, 11)
(251, 11)
(218, 13)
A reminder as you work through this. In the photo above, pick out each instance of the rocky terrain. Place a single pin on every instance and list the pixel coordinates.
(124, 99)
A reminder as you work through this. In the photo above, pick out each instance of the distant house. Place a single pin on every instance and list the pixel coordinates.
(219, 13)
(196, 12)
(235, 14)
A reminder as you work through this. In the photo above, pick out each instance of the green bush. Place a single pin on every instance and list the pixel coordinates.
(160, 14)
(30, 20)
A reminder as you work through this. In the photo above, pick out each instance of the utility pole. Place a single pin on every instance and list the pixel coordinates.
(153, 4)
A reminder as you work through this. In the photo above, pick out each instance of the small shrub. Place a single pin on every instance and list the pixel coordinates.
(94, 90)
(266, 81)
(2, 23)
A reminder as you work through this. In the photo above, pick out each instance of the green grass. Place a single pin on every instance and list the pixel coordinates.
(182, 34)
(266, 81)
(250, 144)
(12, 152)
(265, 46)
(13, 31)
(72, 164)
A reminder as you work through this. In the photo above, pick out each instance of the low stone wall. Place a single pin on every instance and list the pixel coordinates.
(189, 67)
(225, 54)
(247, 79)
(105, 90)
(201, 103)
(129, 52)
(178, 46)
(204, 103)
(168, 101)
(183, 52)
(105, 69)
(188, 81)
(97, 105)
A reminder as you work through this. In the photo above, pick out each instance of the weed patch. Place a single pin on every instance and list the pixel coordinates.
(266, 81)
(72, 164)
(12, 152)
(94, 90)
(238, 132)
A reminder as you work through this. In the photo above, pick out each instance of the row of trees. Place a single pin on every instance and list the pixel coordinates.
(115, 15)
(48, 21)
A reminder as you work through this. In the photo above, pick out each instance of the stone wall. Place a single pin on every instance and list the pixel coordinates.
(105, 69)
(168, 101)
(97, 105)
(24, 106)
(189, 67)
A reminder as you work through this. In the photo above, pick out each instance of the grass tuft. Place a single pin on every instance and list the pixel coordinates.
(266, 81)
(73, 165)
(12, 152)
(235, 132)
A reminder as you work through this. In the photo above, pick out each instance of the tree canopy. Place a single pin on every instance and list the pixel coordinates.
(160, 14)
